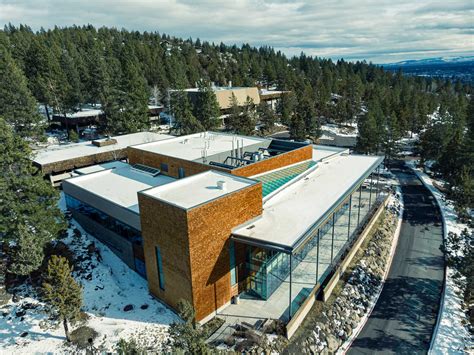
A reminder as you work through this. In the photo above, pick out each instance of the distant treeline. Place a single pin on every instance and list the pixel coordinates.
(67, 67)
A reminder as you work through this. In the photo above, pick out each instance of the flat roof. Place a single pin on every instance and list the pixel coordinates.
(99, 167)
(119, 185)
(221, 88)
(324, 152)
(191, 147)
(198, 189)
(289, 214)
(57, 153)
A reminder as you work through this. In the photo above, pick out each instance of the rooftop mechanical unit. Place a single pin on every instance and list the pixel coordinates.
(146, 169)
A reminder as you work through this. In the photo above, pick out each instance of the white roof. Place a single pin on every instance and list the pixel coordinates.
(197, 189)
(58, 153)
(100, 167)
(85, 113)
(290, 213)
(324, 152)
(220, 88)
(191, 147)
(119, 185)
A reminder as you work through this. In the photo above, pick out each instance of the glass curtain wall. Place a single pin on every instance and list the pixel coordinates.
(114, 225)
(314, 260)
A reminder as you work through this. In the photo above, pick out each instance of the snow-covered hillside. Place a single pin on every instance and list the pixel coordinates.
(109, 286)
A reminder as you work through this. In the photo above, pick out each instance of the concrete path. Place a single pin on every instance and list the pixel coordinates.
(404, 317)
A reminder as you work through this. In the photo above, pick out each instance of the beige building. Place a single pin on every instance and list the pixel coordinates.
(224, 95)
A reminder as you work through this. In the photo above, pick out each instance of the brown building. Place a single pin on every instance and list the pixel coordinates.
(210, 216)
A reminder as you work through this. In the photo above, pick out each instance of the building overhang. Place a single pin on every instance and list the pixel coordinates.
(270, 230)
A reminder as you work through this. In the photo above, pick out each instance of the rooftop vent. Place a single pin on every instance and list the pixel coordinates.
(146, 169)
(222, 185)
(104, 142)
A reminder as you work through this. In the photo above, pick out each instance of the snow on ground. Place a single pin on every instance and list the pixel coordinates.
(452, 336)
(109, 285)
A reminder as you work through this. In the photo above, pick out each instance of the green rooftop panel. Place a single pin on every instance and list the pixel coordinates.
(276, 179)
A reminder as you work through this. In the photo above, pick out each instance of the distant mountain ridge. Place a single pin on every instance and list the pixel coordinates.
(432, 61)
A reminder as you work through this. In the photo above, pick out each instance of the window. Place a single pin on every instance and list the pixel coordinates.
(164, 167)
(181, 173)
(159, 266)
(104, 219)
(233, 278)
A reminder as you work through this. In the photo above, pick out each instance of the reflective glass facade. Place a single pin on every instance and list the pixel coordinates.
(118, 227)
(314, 260)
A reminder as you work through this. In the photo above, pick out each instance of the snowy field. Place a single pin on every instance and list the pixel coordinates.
(109, 286)
(452, 336)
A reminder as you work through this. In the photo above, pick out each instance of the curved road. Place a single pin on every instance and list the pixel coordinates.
(403, 319)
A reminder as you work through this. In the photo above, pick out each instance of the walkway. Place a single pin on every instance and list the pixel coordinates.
(403, 319)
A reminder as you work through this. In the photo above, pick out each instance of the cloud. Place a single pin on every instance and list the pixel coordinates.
(375, 30)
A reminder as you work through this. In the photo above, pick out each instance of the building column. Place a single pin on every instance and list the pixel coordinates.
(360, 198)
(317, 258)
(332, 236)
(378, 181)
(370, 191)
(349, 223)
(291, 282)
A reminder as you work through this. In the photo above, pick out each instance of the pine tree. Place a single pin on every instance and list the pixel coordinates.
(297, 128)
(185, 336)
(185, 122)
(45, 76)
(286, 107)
(246, 121)
(29, 213)
(207, 109)
(62, 293)
(17, 105)
(232, 119)
(27, 254)
(368, 138)
(267, 116)
(126, 109)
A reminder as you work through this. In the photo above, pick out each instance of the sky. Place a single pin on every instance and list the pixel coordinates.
(381, 31)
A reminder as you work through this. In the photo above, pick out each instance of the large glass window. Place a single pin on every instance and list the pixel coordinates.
(104, 219)
(159, 266)
(233, 277)
(267, 269)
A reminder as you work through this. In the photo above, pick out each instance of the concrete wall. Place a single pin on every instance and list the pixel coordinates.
(194, 245)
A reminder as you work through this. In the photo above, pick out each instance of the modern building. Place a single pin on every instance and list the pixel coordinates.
(271, 97)
(210, 217)
(224, 95)
(91, 116)
(57, 162)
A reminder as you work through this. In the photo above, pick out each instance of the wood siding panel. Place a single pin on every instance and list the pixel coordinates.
(278, 161)
(210, 227)
(165, 226)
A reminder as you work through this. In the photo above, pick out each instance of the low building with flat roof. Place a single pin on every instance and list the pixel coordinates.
(57, 162)
(210, 216)
(224, 95)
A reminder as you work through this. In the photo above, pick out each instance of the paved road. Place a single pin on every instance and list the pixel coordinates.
(403, 319)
